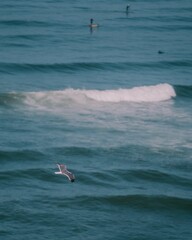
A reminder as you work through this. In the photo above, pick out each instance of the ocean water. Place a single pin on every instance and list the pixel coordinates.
(112, 103)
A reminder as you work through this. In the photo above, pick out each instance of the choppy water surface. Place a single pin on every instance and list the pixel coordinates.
(112, 103)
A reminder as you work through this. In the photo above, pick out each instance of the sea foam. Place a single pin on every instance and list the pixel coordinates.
(160, 92)
(154, 93)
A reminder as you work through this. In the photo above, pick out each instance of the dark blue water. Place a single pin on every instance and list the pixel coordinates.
(113, 103)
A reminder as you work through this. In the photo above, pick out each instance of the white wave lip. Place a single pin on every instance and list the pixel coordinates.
(160, 92)
(156, 93)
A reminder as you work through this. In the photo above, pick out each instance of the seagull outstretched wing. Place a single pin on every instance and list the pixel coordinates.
(64, 171)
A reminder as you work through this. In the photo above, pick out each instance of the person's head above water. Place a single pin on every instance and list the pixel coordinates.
(93, 25)
(127, 8)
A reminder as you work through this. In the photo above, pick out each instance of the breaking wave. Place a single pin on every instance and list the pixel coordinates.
(156, 93)
(60, 98)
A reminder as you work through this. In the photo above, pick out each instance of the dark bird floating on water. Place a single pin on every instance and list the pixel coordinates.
(160, 52)
(64, 171)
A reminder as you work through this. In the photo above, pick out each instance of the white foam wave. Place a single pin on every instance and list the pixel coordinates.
(160, 92)
(156, 93)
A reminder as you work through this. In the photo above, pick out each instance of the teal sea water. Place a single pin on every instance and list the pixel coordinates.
(112, 103)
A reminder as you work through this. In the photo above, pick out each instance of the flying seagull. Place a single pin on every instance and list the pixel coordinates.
(64, 171)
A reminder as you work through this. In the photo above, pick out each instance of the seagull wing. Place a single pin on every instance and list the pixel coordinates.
(59, 166)
(62, 168)
(65, 172)
(70, 175)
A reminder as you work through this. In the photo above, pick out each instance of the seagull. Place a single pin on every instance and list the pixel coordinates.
(64, 171)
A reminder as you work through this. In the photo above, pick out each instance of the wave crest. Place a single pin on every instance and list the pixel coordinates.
(156, 93)
(68, 97)
(160, 92)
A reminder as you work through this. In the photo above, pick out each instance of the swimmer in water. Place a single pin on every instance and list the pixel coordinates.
(93, 25)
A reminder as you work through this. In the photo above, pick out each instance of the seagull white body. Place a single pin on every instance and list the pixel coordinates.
(63, 170)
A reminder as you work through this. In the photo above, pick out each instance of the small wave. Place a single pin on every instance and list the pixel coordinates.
(20, 155)
(183, 91)
(27, 36)
(52, 67)
(89, 66)
(75, 151)
(137, 201)
(151, 202)
(22, 23)
(148, 175)
(60, 67)
(17, 175)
